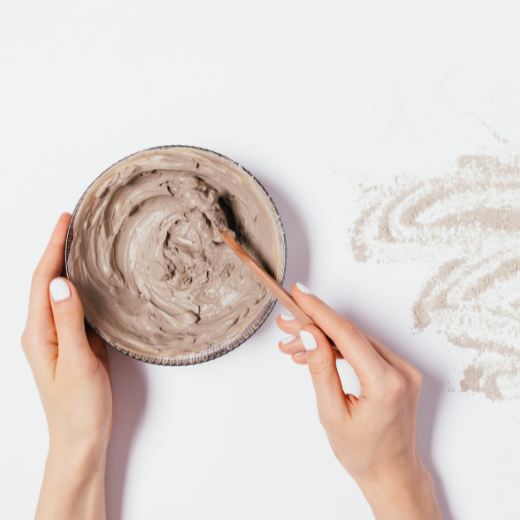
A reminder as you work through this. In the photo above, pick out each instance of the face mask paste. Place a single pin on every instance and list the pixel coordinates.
(153, 274)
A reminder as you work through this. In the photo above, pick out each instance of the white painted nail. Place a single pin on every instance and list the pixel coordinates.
(59, 290)
(302, 288)
(287, 339)
(287, 317)
(308, 340)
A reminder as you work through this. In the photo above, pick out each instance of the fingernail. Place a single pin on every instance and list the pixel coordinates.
(287, 317)
(59, 290)
(302, 288)
(308, 340)
(286, 340)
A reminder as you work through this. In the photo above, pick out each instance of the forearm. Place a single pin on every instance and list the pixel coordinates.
(73, 485)
(408, 496)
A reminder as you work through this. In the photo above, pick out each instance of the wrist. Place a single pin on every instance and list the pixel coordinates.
(75, 474)
(79, 460)
(404, 492)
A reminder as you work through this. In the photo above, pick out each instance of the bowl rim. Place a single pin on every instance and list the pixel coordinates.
(215, 351)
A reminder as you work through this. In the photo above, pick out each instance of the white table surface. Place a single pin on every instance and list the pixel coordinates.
(312, 98)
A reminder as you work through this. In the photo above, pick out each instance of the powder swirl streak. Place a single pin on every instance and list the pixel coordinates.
(466, 225)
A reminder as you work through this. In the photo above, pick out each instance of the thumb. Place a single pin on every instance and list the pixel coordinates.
(325, 378)
(68, 316)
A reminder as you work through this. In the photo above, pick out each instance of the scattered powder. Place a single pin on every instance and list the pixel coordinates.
(466, 225)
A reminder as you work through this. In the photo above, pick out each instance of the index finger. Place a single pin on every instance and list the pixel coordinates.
(349, 340)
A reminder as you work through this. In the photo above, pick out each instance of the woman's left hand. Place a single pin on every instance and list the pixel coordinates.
(71, 370)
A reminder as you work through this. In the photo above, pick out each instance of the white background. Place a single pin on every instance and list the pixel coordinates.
(312, 98)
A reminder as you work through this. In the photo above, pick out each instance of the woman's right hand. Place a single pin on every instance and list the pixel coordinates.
(374, 436)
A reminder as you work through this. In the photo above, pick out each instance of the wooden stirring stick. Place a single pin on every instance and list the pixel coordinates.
(279, 292)
(270, 283)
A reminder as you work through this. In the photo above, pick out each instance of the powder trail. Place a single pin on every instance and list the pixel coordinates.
(466, 225)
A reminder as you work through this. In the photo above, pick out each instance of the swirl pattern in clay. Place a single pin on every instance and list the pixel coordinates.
(153, 274)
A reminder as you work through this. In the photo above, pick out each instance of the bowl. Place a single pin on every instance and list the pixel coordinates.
(252, 326)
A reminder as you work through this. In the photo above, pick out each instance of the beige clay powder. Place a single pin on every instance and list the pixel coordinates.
(466, 225)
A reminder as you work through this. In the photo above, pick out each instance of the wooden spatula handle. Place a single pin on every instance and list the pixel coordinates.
(270, 283)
